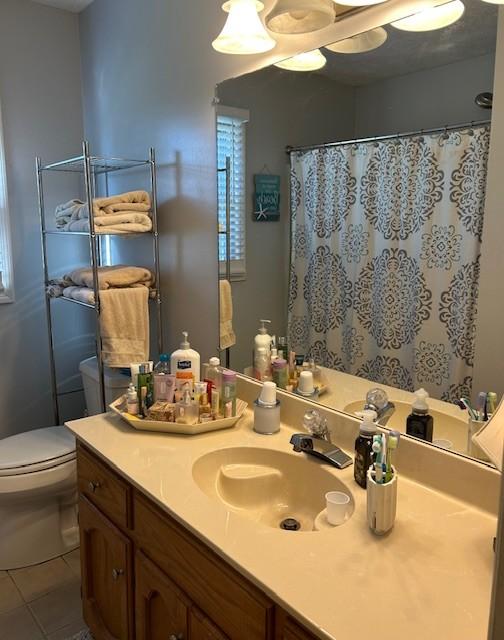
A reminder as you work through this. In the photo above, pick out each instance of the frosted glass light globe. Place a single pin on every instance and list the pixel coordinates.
(243, 32)
(308, 61)
(433, 18)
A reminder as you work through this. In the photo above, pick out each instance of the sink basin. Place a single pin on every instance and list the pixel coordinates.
(447, 428)
(268, 486)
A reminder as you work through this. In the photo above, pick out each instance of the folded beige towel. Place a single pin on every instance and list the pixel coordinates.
(116, 276)
(123, 213)
(227, 335)
(137, 201)
(124, 323)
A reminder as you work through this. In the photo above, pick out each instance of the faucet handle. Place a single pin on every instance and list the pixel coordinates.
(301, 442)
(316, 424)
(377, 397)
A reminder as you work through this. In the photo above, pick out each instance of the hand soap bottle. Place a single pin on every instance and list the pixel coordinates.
(364, 446)
(262, 353)
(185, 364)
(420, 424)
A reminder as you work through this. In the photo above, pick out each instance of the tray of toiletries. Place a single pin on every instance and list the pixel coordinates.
(161, 417)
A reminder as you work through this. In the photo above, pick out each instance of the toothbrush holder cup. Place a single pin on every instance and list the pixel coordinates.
(381, 503)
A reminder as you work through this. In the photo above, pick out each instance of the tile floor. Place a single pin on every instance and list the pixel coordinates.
(42, 602)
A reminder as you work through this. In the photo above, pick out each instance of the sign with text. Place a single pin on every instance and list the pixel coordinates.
(266, 197)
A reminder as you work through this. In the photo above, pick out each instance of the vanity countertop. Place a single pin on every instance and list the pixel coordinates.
(430, 577)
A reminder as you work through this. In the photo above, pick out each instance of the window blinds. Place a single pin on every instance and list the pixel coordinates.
(231, 142)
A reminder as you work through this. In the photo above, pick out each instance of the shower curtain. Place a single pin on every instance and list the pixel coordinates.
(385, 258)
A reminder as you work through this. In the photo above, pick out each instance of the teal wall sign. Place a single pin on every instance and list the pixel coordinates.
(266, 197)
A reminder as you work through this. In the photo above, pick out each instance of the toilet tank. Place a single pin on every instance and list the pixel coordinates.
(115, 380)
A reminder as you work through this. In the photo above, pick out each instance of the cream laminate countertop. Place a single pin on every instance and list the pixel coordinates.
(429, 578)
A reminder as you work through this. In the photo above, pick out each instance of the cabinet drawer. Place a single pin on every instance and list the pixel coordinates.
(235, 606)
(101, 486)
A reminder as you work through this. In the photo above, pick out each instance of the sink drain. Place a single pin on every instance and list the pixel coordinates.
(290, 524)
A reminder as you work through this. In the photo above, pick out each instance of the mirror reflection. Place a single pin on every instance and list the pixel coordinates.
(355, 225)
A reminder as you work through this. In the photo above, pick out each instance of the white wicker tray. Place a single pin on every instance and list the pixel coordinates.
(119, 405)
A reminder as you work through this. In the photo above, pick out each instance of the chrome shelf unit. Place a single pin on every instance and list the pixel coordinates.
(91, 167)
(227, 233)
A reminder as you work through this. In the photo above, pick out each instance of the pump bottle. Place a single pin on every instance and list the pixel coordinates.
(420, 424)
(364, 446)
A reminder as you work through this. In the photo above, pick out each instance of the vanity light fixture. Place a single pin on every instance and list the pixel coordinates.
(308, 61)
(360, 43)
(433, 18)
(243, 32)
(300, 16)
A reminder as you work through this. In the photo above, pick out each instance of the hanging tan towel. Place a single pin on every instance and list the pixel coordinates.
(124, 324)
(227, 335)
(119, 275)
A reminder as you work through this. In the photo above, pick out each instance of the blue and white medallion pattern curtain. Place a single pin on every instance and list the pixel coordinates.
(385, 258)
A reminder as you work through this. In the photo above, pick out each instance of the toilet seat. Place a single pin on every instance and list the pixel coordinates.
(35, 451)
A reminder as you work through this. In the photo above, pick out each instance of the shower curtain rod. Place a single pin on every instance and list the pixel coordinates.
(410, 134)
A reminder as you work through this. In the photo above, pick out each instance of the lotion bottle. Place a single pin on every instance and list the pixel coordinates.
(185, 364)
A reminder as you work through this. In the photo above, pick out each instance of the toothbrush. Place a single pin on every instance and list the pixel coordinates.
(464, 403)
(377, 449)
(393, 443)
(480, 405)
(491, 402)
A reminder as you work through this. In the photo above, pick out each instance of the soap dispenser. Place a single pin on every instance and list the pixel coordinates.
(364, 446)
(420, 424)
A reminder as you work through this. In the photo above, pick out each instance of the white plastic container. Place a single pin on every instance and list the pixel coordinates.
(263, 340)
(116, 384)
(381, 504)
(185, 364)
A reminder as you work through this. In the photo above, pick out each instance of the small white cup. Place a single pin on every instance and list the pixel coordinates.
(337, 507)
(443, 444)
(305, 383)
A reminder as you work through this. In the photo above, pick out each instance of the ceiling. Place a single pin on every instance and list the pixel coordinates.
(473, 35)
(69, 5)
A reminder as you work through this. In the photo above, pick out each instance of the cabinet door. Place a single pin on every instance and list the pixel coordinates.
(201, 628)
(291, 631)
(161, 608)
(107, 575)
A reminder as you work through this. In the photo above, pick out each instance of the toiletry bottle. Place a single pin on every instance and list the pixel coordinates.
(132, 400)
(145, 389)
(163, 383)
(283, 351)
(185, 363)
(364, 446)
(420, 424)
(187, 411)
(280, 373)
(262, 341)
(228, 398)
(262, 365)
(214, 373)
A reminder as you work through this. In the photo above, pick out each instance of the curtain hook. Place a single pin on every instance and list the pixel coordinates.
(445, 134)
(471, 130)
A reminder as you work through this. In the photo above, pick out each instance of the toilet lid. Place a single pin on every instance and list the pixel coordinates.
(36, 450)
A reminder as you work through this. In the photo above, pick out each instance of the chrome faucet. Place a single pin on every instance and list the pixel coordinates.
(318, 442)
(377, 400)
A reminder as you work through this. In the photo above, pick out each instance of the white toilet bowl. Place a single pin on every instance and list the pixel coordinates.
(38, 497)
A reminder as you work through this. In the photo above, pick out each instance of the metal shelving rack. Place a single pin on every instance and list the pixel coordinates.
(92, 167)
(227, 233)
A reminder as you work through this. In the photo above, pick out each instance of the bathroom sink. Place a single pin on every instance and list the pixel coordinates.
(269, 487)
(449, 432)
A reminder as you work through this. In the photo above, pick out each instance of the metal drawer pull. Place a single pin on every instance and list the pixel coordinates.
(93, 486)
(179, 636)
(116, 573)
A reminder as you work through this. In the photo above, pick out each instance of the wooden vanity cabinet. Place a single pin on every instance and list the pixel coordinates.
(107, 575)
(145, 577)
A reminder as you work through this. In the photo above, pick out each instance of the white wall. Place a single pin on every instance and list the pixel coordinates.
(42, 114)
(285, 109)
(425, 99)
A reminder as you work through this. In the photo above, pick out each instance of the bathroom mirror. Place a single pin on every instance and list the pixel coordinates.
(367, 254)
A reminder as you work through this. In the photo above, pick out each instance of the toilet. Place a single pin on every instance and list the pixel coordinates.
(38, 483)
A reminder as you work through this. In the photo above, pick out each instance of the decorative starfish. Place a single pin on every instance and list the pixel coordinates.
(262, 213)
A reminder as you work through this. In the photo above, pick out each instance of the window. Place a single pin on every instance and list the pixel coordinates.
(231, 135)
(6, 283)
